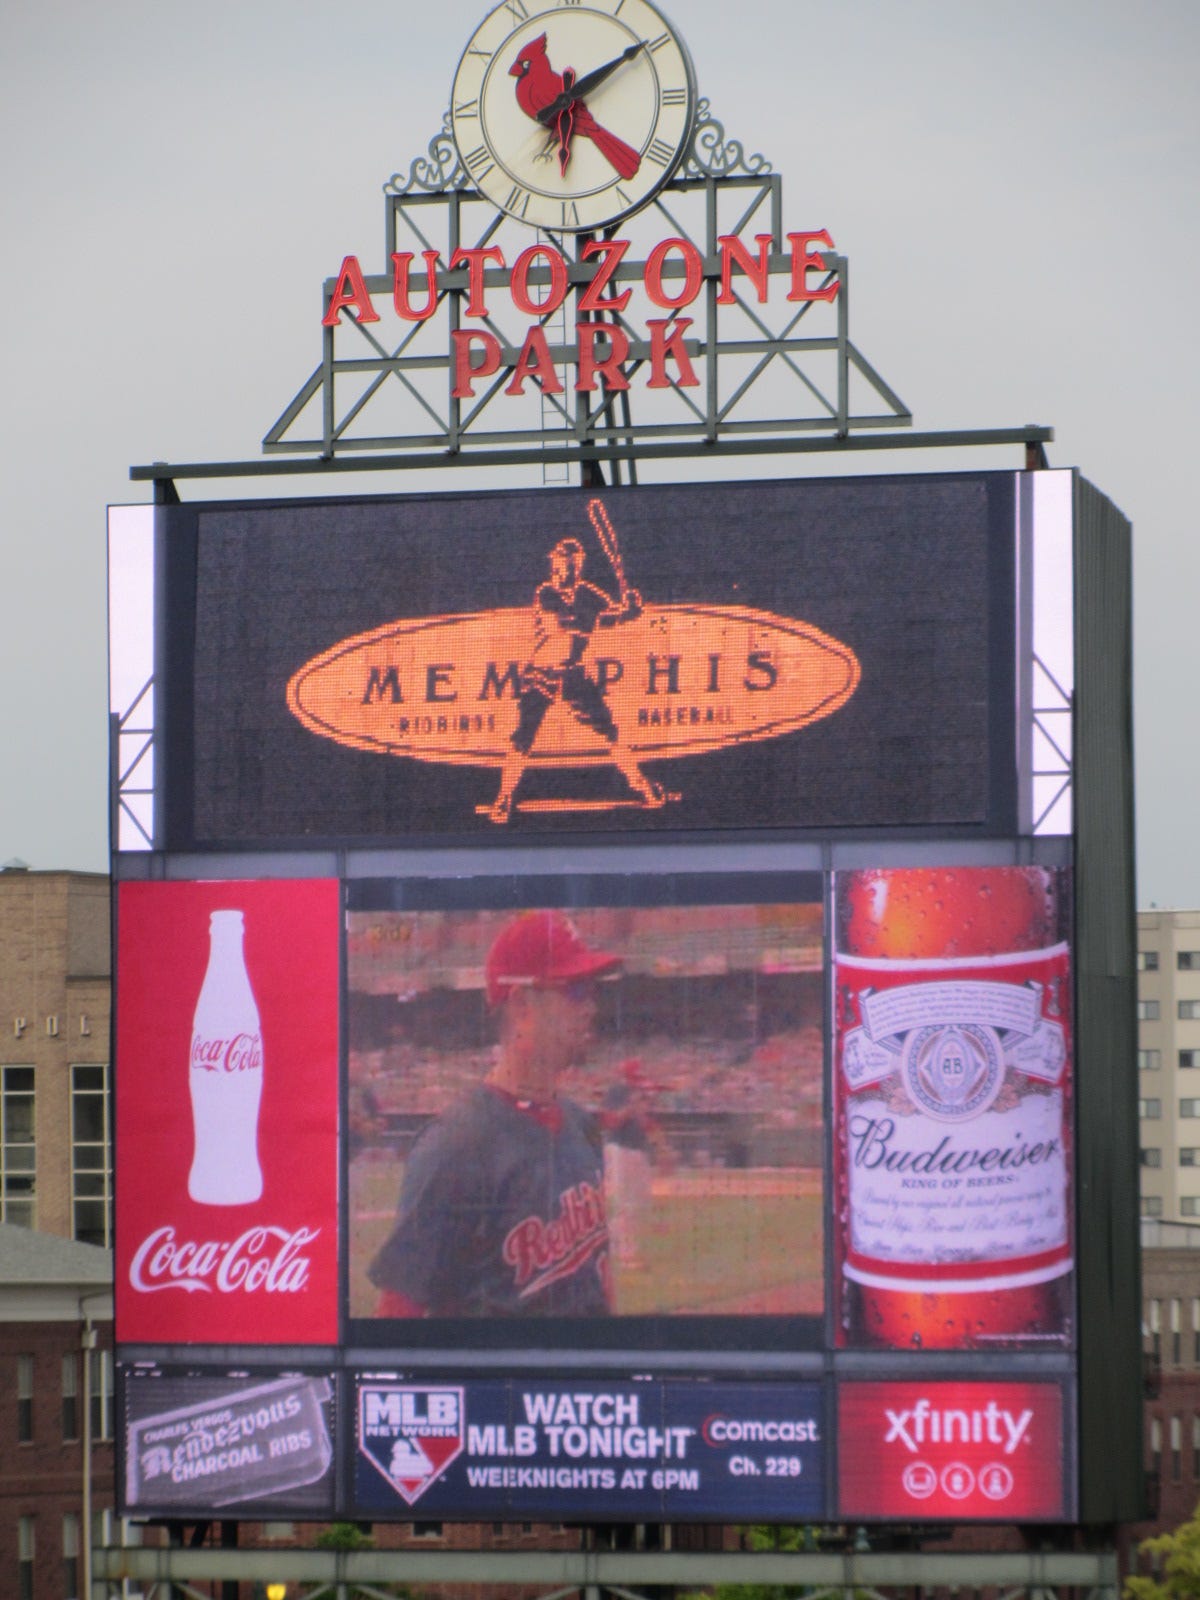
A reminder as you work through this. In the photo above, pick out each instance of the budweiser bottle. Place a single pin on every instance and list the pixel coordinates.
(225, 1074)
(952, 1094)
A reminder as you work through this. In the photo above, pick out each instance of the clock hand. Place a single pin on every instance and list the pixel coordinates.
(589, 81)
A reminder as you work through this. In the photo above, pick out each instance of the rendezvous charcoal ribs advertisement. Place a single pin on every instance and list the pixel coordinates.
(724, 656)
(227, 1112)
(612, 1117)
(238, 1442)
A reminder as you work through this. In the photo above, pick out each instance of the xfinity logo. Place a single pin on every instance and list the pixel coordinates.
(924, 1424)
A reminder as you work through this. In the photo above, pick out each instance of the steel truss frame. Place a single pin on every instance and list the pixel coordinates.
(437, 208)
(333, 1575)
(818, 386)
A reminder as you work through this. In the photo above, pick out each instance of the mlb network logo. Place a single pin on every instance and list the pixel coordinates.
(410, 1433)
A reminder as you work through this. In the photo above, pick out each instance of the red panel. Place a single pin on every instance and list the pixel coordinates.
(965, 1451)
(227, 1112)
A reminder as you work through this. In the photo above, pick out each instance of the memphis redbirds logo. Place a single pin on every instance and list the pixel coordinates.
(410, 1433)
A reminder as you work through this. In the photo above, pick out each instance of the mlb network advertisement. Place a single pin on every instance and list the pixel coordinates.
(722, 656)
(821, 1123)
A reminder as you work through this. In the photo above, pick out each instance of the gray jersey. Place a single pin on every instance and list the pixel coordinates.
(501, 1213)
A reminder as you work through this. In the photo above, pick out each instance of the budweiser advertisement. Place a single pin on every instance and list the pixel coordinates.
(989, 1451)
(227, 1106)
(952, 1100)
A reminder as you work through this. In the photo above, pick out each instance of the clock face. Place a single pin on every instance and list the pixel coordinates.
(570, 116)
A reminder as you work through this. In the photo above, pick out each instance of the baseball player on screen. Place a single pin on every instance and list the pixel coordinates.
(566, 611)
(501, 1208)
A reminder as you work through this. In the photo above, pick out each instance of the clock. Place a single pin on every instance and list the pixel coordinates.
(573, 115)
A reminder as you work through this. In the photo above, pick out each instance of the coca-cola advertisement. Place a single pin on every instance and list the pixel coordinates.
(952, 1101)
(227, 1111)
(970, 1451)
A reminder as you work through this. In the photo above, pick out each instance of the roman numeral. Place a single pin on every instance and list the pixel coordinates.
(516, 10)
(621, 195)
(484, 55)
(570, 214)
(479, 162)
(660, 152)
(674, 97)
(518, 201)
(468, 108)
(657, 44)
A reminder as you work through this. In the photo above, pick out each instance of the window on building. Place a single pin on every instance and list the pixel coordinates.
(25, 1554)
(1187, 960)
(1149, 1060)
(1156, 1444)
(1152, 1205)
(1176, 1332)
(427, 1530)
(1189, 1108)
(1196, 1335)
(24, 1399)
(70, 1395)
(1189, 1058)
(1176, 1434)
(1189, 1157)
(1149, 1110)
(101, 1379)
(1189, 1010)
(1196, 1448)
(1152, 1157)
(1189, 1206)
(71, 1555)
(1147, 1010)
(17, 1163)
(91, 1156)
(1147, 961)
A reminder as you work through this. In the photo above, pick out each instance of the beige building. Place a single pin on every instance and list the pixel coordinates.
(1169, 1063)
(55, 1100)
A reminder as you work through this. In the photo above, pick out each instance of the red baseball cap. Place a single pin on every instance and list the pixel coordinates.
(541, 947)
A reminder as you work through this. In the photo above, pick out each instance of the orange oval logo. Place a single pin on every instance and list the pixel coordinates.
(666, 681)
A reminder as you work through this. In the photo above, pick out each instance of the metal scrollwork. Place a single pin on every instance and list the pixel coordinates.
(437, 170)
(711, 155)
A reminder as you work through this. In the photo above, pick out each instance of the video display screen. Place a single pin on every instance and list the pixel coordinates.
(606, 1018)
(801, 655)
(616, 1112)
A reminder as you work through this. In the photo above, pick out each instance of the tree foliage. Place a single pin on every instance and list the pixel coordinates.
(1178, 1556)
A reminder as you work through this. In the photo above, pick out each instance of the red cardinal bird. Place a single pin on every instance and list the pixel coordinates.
(538, 85)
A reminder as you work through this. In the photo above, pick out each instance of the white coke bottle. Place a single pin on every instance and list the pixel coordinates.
(225, 1073)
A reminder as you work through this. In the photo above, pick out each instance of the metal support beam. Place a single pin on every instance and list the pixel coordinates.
(1040, 1572)
(1030, 436)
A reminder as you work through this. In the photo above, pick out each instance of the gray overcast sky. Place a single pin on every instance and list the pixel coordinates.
(1015, 185)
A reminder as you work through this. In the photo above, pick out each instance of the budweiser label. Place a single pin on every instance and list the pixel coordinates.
(952, 1083)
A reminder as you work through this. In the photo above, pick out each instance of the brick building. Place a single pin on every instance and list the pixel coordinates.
(56, 1423)
(1171, 1341)
(55, 1125)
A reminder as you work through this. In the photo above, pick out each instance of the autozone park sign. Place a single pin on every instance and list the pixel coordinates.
(536, 284)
